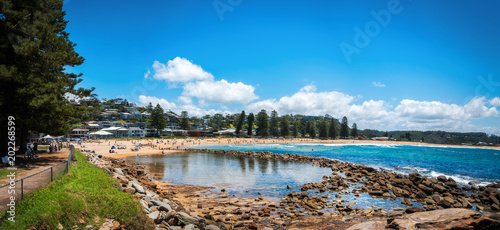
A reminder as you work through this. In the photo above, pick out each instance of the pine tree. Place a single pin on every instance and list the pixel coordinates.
(150, 108)
(344, 128)
(262, 124)
(303, 128)
(34, 51)
(285, 126)
(312, 129)
(239, 126)
(354, 130)
(185, 120)
(295, 129)
(158, 119)
(251, 118)
(332, 132)
(323, 130)
(274, 126)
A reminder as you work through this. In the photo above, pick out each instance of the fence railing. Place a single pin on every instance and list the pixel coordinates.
(25, 185)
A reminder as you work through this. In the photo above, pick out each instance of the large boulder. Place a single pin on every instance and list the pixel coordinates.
(163, 206)
(186, 219)
(453, 218)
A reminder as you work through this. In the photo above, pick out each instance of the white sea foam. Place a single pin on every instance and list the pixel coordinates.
(460, 179)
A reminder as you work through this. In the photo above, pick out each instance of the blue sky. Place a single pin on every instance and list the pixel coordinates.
(402, 65)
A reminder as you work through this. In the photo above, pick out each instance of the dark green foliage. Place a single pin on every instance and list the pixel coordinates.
(332, 129)
(303, 128)
(274, 126)
(323, 130)
(185, 121)
(284, 126)
(311, 129)
(295, 129)
(354, 130)
(262, 124)
(251, 118)
(158, 119)
(344, 128)
(150, 108)
(241, 120)
(34, 51)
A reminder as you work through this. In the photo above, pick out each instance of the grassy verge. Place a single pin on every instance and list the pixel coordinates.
(5, 172)
(85, 193)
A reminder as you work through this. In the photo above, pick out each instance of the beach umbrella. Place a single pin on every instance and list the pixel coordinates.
(113, 147)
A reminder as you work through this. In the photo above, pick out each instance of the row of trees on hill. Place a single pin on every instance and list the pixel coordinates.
(284, 126)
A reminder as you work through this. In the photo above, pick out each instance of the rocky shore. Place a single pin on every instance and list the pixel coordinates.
(432, 193)
(306, 209)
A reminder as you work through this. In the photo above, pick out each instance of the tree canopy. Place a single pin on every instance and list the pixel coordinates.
(34, 52)
(323, 129)
(241, 120)
(262, 124)
(332, 129)
(354, 130)
(344, 128)
(274, 126)
(185, 121)
(158, 119)
(285, 126)
(251, 118)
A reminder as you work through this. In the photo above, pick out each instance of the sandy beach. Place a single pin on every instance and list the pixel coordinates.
(168, 146)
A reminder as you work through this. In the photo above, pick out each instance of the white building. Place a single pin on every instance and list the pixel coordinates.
(136, 132)
(120, 132)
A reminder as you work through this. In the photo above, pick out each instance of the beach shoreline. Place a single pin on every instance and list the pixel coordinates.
(174, 146)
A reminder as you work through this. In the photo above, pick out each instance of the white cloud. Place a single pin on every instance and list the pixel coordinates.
(407, 115)
(166, 105)
(306, 101)
(221, 92)
(378, 84)
(435, 110)
(192, 110)
(198, 83)
(185, 100)
(179, 70)
(495, 102)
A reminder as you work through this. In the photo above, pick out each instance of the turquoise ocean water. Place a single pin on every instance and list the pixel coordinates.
(462, 164)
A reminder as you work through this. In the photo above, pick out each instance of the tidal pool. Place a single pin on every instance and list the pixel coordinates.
(246, 176)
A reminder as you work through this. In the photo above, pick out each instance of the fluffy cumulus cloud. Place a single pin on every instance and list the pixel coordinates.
(434, 110)
(306, 101)
(192, 110)
(166, 105)
(495, 102)
(407, 115)
(201, 84)
(179, 70)
(378, 84)
(221, 92)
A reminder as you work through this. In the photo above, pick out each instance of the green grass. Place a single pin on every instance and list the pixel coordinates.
(85, 192)
(5, 172)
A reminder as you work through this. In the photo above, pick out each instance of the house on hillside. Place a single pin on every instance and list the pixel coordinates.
(136, 132)
(120, 132)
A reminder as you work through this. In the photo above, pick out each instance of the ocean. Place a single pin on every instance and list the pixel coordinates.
(462, 164)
